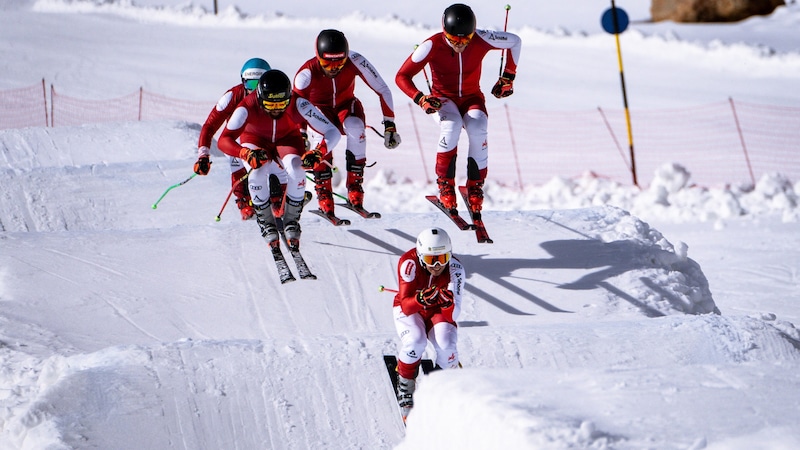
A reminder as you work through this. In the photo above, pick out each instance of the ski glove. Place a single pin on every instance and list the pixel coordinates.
(428, 103)
(433, 297)
(254, 157)
(390, 137)
(202, 166)
(504, 86)
(311, 157)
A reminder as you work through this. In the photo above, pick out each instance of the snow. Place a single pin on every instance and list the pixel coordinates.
(603, 316)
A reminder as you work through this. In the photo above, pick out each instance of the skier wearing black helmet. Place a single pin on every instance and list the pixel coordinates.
(265, 131)
(328, 81)
(251, 71)
(455, 56)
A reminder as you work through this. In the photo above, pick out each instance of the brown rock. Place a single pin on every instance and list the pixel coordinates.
(710, 10)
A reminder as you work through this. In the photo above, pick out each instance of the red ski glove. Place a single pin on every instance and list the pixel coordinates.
(254, 157)
(202, 166)
(433, 297)
(428, 103)
(504, 86)
(311, 157)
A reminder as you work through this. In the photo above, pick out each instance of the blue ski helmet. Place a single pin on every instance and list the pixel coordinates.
(252, 71)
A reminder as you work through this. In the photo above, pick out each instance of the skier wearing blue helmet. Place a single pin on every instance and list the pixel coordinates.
(251, 71)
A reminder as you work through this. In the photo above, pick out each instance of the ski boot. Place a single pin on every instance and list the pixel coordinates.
(291, 223)
(405, 394)
(355, 178)
(266, 221)
(245, 208)
(447, 192)
(324, 189)
(475, 195)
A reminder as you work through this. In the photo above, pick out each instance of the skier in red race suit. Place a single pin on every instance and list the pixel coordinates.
(455, 56)
(268, 123)
(251, 71)
(426, 307)
(328, 80)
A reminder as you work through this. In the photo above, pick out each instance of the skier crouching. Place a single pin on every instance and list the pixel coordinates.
(425, 309)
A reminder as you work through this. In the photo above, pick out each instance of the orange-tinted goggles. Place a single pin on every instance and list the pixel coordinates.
(458, 40)
(275, 106)
(434, 260)
(332, 64)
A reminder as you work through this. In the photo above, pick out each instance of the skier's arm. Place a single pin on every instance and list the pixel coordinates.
(411, 67)
(233, 129)
(504, 40)
(370, 75)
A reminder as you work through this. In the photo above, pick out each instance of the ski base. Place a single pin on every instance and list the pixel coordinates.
(459, 221)
(390, 361)
(284, 273)
(360, 211)
(477, 222)
(331, 218)
(302, 268)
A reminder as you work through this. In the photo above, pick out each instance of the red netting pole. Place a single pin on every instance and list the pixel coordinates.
(741, 139)
(140, 103)
(419, 144)
(514, 147)
(52, 104)
(44, 94)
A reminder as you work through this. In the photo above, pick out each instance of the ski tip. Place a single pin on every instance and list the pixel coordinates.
(288, 280)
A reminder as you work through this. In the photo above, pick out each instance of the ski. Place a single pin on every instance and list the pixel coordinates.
(390, 361)
(477, 222)
(360, 211)
(284, 272)
(331, 218)
(451, 213)
(302, 268)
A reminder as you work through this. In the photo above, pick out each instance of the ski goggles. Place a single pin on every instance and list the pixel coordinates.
(275, 106)
(332, 64)
(458, 40)
(250, 85)
(436, 260)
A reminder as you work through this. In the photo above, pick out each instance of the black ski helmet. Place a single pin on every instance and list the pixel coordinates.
(274, 86)
(458, 20)
(331, 44)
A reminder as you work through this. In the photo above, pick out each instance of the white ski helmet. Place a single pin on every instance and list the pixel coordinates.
(434, 247)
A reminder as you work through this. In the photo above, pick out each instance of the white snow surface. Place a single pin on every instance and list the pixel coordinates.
(602, 317)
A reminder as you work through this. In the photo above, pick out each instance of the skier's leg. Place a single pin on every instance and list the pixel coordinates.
(411, 330)
(239, 186)
(450, 123)
(444, 337)
(476, 124)
(295, 193)
(258, 182)
(356, 158)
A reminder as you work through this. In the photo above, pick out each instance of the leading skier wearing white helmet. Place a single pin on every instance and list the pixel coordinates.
(251, 71)
(427, 304)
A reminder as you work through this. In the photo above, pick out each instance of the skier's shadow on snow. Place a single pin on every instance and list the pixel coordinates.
(612, 258)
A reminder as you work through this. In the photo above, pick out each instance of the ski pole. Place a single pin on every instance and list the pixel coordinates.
(385, 289)
(155, 205)
(505, 28)
(376, 131)
(219, 215)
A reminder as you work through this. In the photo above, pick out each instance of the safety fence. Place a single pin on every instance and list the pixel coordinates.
(720, 143)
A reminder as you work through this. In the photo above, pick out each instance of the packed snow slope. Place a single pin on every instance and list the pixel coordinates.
(583, 327)
(602, 317)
